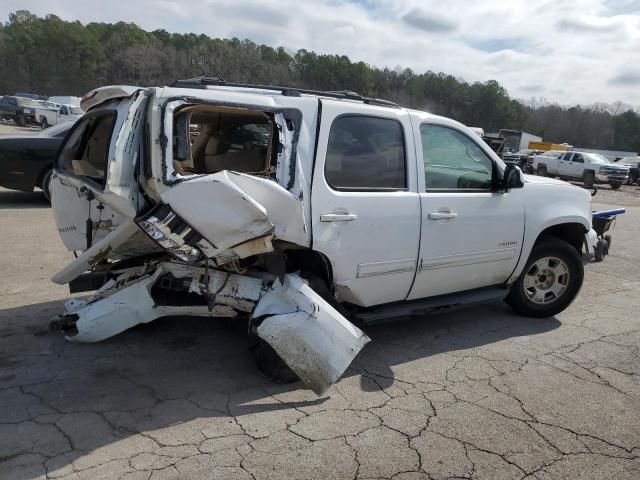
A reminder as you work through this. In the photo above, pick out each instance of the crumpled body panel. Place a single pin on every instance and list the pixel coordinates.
(312, 337)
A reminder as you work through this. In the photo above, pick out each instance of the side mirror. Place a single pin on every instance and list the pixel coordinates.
(512, 178)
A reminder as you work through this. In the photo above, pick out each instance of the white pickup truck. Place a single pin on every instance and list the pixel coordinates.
(52, 114)
(344, 208)
(588, 167)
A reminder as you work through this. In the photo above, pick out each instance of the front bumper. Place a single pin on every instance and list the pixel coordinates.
(612, 178)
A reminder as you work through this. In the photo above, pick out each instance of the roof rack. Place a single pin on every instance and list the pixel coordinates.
(205, 81)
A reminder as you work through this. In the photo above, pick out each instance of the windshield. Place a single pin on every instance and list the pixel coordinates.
(76, 111)
(597, 158)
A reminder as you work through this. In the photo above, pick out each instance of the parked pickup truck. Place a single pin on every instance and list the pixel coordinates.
(342, 209)
(53, 114)
(588, 167)
(19, 109)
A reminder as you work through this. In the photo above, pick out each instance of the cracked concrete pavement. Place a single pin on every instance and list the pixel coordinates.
(480, 393)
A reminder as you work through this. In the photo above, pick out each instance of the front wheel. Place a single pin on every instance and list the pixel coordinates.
(549, 282)
(44, 124)
(615, 185)
(541, 171)
(589, 179)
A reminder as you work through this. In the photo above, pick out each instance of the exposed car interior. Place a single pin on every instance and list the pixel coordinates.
(86, 152)
(209, 139)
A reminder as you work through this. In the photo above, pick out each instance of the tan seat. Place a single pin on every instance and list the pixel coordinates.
(240, 161)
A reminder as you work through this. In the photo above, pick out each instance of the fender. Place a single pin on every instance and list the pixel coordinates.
(547, 205)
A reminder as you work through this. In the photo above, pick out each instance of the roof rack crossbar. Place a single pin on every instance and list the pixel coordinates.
(204, 81)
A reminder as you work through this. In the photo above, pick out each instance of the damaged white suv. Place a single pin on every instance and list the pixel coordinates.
(300, 212)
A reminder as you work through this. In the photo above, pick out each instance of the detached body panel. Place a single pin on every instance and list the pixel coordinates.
(311, 336)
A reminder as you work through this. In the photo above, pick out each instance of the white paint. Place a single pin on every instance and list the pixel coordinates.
(312, 338)
(373, 227)
(123, 303)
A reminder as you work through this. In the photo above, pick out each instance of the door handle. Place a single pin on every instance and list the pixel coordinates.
(442, 215)
(338, 217)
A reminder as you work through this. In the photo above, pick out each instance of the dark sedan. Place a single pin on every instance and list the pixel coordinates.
(26, 159)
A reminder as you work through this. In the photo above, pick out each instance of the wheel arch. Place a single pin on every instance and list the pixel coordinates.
(571, 232)
(571, 229)
(311, 261)
(42, 173)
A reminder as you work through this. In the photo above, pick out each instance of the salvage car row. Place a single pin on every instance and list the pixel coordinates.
(25, 110)
(587, 167)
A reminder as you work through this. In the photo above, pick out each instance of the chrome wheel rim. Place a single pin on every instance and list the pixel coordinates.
(546, 280)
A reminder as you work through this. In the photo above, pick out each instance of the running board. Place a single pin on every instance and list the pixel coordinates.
(441, 303)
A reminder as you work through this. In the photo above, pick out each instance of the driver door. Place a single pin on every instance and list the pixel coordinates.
(471, 236)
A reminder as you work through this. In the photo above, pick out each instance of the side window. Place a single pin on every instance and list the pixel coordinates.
(566, 156)
(453, 161)
(86, 151)
(365, 153)
(578, 158)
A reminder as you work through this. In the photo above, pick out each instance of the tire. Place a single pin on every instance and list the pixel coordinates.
(541, 171)
(20, 120)
(589, 179)
(615, 186)
(44, 124)
(269, 363)
(550, 281)
(601, 250)
(45, 186)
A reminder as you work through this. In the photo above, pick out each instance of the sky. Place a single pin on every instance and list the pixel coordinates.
(565, 51)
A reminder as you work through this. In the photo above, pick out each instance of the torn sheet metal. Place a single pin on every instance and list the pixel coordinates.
(229, 209)
(312, 338)
(127, 301)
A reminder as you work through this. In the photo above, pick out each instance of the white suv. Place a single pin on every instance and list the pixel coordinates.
(300, 211)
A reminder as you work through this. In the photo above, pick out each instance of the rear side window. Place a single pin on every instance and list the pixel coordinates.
(366, 153)
(86, 152)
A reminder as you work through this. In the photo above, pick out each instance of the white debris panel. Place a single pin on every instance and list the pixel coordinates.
(311, 336)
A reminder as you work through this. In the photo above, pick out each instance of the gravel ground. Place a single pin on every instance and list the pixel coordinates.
(480, 393)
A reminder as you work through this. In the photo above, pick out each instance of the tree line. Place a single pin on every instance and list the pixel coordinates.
(51, 56)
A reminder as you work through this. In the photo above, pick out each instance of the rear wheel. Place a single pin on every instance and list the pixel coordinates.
(46, 183)
(549, 282)
(589, 179)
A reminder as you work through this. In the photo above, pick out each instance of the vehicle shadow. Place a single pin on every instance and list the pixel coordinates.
(10, 199)
(179, 375)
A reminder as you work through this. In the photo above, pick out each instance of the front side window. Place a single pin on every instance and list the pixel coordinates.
(453, 161)
(366, 153)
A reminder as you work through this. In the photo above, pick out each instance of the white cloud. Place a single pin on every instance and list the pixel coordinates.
(569, 51)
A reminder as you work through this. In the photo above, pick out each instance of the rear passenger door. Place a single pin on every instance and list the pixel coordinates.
(365, 205)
